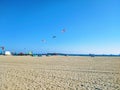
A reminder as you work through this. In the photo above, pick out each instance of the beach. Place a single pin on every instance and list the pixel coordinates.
(59, 73)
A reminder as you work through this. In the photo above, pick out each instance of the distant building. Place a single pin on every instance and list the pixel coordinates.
(8, 53)
(30, 53)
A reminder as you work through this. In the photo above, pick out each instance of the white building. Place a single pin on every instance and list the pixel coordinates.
(8, 53)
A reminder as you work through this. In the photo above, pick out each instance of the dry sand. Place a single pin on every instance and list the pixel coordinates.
(59, 73)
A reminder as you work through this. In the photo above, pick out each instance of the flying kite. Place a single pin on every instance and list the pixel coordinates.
(43, 40)
(53, 36)
(63, 30)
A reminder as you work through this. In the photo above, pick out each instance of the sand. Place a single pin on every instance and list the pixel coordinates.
(59, 73)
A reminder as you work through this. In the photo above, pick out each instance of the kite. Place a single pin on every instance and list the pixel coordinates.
(63, 30)
(43, 41)
(53, 36)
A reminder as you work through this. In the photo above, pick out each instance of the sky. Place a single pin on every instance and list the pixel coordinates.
(91, 26)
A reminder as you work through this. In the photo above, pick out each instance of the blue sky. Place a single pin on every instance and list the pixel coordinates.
(92, 26)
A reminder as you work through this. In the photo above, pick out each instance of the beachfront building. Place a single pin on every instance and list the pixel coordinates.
(8, 53)
(30, 53)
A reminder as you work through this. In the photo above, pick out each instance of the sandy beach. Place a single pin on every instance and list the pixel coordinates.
(59, 73)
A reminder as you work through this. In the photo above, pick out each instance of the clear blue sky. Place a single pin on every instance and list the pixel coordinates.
(92, 26)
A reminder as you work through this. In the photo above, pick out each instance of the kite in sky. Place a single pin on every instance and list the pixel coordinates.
(53, 36)
(43, 40)
(63, 30)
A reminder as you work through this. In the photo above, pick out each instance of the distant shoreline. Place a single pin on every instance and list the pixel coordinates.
(53, 54)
